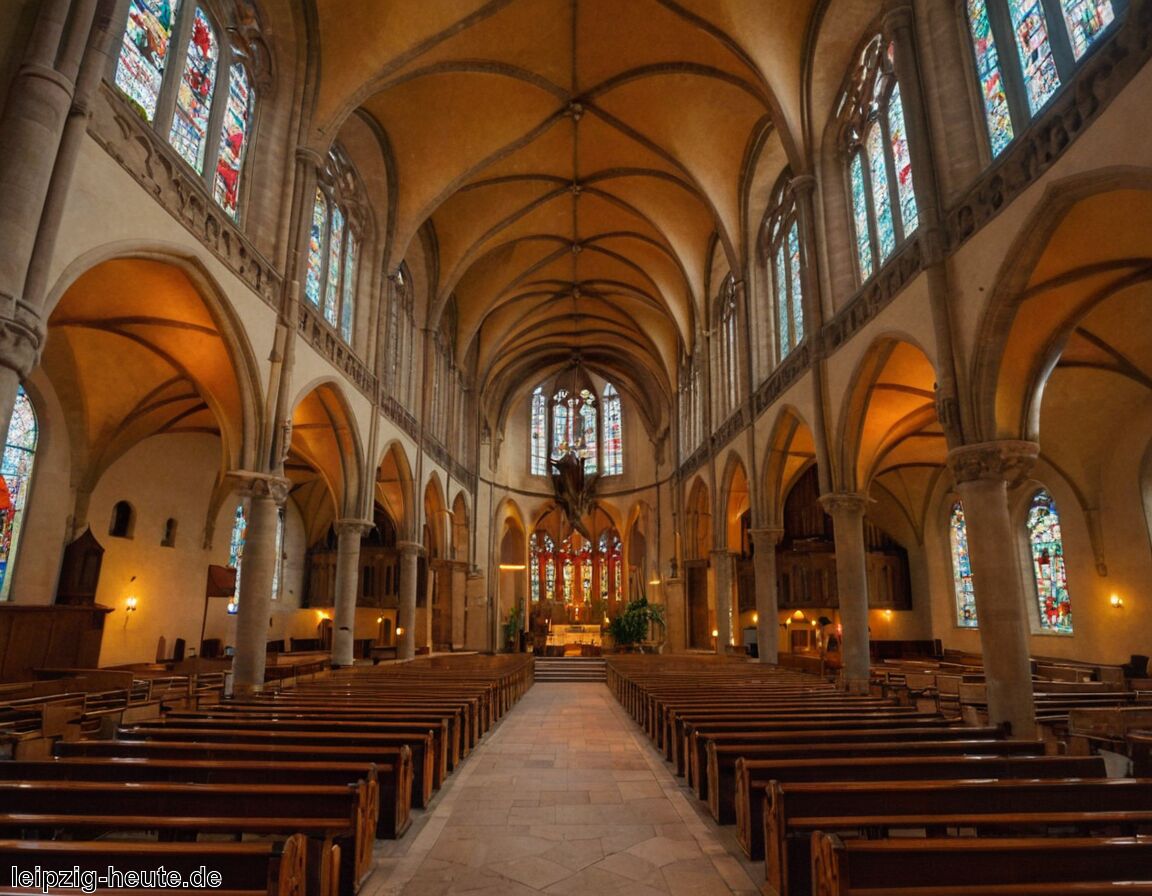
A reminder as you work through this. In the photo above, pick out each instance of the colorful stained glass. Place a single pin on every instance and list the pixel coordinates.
(1036, 61)
(996, 113)
(797, 290)
(539, 433)
(534, 568)
(278, 568)
(189, 134)
(549, 568)
(335, 254)
(961, 568)
(783, 327)
(317, 238)
(881, 197)
(588, 440)
(585, 574)
(1047, 545)
(569, 578)
(348, 303)
(1086, 19)
(233, 142)
(236, 543)
(613, 433)
(144, 52)
(15, 478)
(860, 216)
(902, 161)
(560, 428)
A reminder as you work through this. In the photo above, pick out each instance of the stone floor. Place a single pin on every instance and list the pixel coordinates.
(565, 796)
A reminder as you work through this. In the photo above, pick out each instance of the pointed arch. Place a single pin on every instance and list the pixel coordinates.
(791, 450)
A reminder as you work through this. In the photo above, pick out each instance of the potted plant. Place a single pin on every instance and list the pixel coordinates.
(512, 629)
(630, 628)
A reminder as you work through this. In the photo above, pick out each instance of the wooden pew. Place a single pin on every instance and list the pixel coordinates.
(792, 812)
(752, 776)
(338, 821)
(273, 868)
(875, 867)
(424, 770)
(392, 783)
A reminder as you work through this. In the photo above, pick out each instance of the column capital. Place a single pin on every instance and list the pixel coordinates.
(309, 156)
(261, 485)
(410, 547)
(843, 502)
(353, 526)
(20, 346)
(803, 184)
(1007, 460)
(767, 536)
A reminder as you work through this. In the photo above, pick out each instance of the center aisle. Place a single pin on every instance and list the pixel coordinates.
(566, 797)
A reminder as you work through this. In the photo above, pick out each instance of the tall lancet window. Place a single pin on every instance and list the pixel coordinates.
(15, 477)
(961, 568)
(879, 161)
(334, 237)
(539, 433)
(1047, 547)
(785, 259)
(1024, 50)
(613, 432)
(188, 76)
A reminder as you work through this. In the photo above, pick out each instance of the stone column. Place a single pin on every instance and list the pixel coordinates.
(266, 494)
(458, 606)
(406, 617)
(847, 512)
(677, 634)
(767, 606)
(722, 566)
(984, 472)
(348, 533)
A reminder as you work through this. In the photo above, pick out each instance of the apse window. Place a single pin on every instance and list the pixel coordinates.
(193, 87)
(1024, 50)
(572, 417)
(879, 173)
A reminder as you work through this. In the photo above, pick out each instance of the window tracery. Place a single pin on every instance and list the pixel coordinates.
(334, 244)
(785, 259)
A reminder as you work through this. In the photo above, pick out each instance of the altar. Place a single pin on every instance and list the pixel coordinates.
(562, 635)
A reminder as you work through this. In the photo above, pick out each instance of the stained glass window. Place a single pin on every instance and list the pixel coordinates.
(613, 432)
(317, 237)
(1047, 546)
(278, 568)
(961, 568)
(589, 441)
(783, 330)
(860, 217)
(569, 573)
(996, 112)
(539, 433)
(236, 543)
(1085, 20)
(15, 478)
(194, 97)
(603, 555)
(881, 197)
(897, 134)
(585, 574)
(560, 427)
(233, 142)
(335, 253)
(797, 298)
(549, 568)
(1041, 78)
(348, 304)
(144, 52)
(534, 561)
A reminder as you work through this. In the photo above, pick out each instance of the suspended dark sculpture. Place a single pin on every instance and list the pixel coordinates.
(574, 489)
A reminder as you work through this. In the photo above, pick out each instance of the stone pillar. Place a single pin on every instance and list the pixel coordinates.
(406, 617)
(348, 533)
(677, 634)
(459, 599)
(983, 473)
(722, 565)
(764, 542)
(266, 494)
(847, 512)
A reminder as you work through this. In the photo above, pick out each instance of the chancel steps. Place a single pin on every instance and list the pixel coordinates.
(569, 668)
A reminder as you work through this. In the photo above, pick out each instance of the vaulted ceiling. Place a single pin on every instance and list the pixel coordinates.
(573, 164)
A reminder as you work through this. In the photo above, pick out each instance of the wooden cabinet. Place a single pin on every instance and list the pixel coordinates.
(808, 579)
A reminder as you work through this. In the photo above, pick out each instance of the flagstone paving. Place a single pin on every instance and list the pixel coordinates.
(565, 796)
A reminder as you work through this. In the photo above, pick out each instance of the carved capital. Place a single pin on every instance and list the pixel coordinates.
(20, 346)
(1009, 460)
(846, 503)
(308, 156)
(766, 537)
(410, 548)
(802, 185)
(353, 527)
(261, 485)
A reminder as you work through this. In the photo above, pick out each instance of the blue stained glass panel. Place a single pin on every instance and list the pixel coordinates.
(539, 433)
(534, 568)
(15, 478)
(881, 198)
(783, 331)
(1036, 61)
(348, 304)
(996, 115)
(144, 52)
(236, 543)
(189, 135)
(560, 441)
(317, 236)
(1086, 19)
(797, 288)
(860, 217)
(588, 433)
(902, 161)
(613, 433)
(1047, 545)
(335, 255)
(961, 568)
(233, 141)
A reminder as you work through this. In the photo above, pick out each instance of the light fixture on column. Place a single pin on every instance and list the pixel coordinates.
(233, 606)
(1116, 601)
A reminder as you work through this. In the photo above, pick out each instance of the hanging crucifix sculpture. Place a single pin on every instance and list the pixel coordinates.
(574, 489)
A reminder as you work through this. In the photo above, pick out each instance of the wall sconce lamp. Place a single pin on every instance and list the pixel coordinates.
(1116, 601)
(130, 604)
(755, 618)
(399, 630)
(233, 606)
